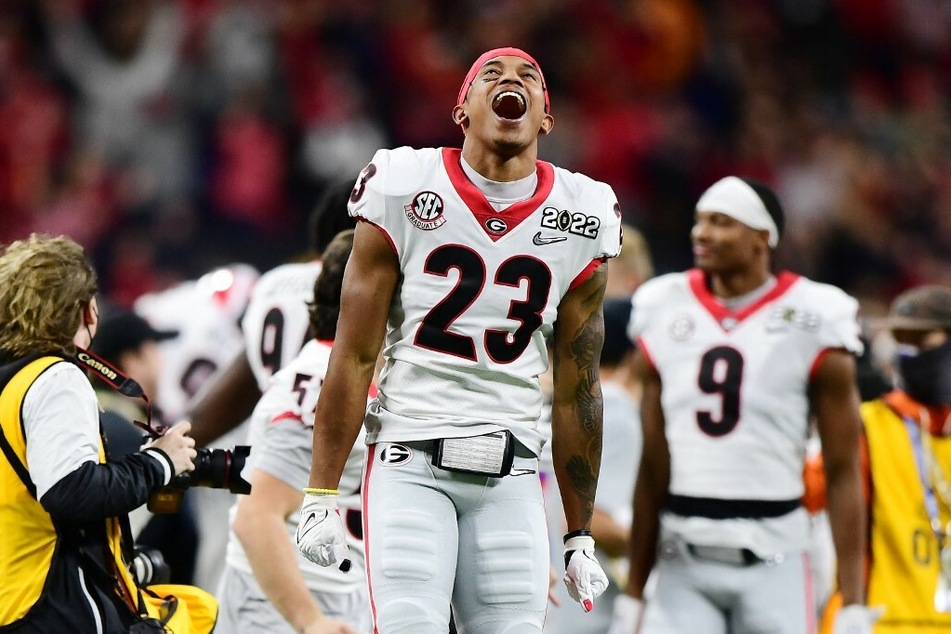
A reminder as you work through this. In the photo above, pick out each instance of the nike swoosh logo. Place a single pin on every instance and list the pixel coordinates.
(308, 526)
(541, 241)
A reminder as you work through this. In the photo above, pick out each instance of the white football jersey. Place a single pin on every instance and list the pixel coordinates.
(281, 439)
(205, 312)
(467, 331)
(735, 391)
(276, 324)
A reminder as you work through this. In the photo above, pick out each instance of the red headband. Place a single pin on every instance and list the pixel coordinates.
(500, 52)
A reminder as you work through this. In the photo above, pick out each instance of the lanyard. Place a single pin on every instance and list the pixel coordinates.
(931, 500)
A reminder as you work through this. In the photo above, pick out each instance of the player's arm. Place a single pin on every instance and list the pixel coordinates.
(224, 402)
(653, 480)
(610, 536)
(368, 285)
(577, 408)
(835, 403)
(259, 526)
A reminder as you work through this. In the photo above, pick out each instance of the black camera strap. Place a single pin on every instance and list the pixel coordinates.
(125, 385)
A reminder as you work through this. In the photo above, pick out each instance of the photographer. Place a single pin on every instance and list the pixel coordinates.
(63, 556)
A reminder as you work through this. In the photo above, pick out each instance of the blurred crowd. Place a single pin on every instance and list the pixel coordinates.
(171, 136)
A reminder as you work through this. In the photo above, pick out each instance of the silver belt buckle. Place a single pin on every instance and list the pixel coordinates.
(724, 555)
(487, 455)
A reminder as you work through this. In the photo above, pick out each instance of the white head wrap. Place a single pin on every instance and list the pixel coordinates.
(732, 197)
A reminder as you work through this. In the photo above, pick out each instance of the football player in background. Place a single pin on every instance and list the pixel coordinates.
(734, 360)
(206, 313)
(631, 268)
(469, 261)
(268, 586)
(274, 326)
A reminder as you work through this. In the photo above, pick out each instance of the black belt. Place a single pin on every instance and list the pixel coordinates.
(717, 509)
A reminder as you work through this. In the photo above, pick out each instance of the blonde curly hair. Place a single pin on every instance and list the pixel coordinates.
(44, 282)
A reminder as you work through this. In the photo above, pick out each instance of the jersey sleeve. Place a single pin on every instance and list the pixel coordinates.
(285, 450)
(368, 198)
(840, 324)
(284, 416)
(611, 235)
(642, 303)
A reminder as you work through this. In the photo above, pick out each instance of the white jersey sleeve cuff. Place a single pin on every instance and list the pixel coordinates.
(167, 467)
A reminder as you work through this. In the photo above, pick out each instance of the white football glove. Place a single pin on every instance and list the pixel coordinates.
(627, 615)
(321, 536)
(856, 619)
(583, 574)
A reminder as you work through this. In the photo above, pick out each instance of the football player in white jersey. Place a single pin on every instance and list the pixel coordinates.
(206, 314)
(275, 326)
(735, 360)
(470, 262)
(267, 585)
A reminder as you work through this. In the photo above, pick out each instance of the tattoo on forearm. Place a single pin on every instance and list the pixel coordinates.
(585, 350)
(585, 481)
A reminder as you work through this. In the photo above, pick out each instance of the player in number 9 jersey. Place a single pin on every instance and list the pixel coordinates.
(462, 265)
(735, 361)
(275, 323)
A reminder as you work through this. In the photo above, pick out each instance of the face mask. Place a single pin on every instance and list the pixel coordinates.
(926, 376)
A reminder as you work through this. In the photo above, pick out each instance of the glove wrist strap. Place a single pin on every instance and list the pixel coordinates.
(581, 532)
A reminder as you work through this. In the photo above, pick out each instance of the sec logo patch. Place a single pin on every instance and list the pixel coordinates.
(426, 211)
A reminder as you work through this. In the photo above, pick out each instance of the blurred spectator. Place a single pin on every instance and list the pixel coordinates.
(124, 59)
(631, 268)
(211, 127)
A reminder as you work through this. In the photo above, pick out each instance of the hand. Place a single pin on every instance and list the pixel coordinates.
(321, 536)
(857, 619)
(328, 626)
(628, 612)
(583, 575)
(179, 447)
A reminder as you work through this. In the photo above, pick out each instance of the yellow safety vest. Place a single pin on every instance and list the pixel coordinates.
(904, 550)
(29, 537)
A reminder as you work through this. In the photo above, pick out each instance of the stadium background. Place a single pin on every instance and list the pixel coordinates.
(170, 136)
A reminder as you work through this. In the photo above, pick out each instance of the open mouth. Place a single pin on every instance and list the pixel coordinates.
(509, 105)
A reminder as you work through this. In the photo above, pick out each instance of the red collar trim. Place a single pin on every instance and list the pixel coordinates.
(475, 200)
(722, 314)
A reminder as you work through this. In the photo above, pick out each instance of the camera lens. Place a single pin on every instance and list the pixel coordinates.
(149, 567)
(220, 469)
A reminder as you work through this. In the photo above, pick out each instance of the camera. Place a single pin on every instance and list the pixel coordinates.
(214, 468)
(149, 566)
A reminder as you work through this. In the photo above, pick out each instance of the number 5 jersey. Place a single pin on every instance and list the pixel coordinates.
(735, 396)
(479, 292)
